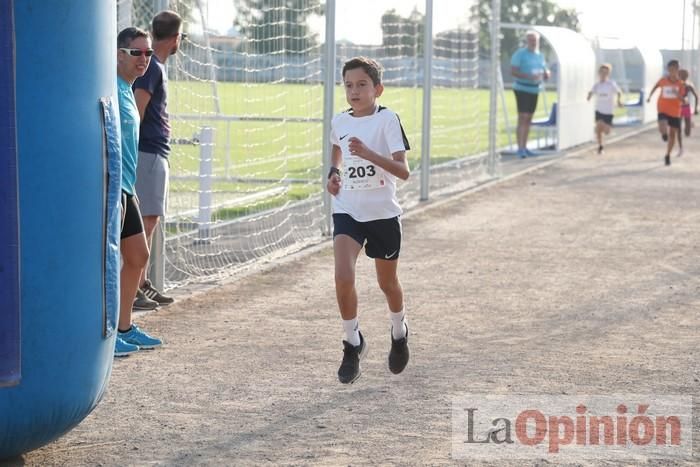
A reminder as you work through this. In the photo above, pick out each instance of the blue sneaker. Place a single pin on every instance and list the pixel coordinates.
(138, 337)
(522, 153)
(529, 153)
(123, 348)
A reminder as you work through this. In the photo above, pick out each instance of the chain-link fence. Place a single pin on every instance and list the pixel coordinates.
(250, 108)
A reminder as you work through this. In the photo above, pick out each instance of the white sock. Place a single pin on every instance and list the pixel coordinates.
(398, 324)
(352, 331)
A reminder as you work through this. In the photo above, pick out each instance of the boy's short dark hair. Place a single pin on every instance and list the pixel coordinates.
(165, 24)
(371, 67)
(673, 62)
(127, 35)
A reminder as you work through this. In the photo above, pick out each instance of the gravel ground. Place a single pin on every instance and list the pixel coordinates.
(578, 278)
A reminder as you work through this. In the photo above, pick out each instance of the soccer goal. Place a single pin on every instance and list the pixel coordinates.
(247, 109)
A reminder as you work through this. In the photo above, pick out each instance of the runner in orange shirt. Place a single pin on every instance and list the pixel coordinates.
(669, 106)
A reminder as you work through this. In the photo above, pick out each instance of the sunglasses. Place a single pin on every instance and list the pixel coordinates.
(137, 52)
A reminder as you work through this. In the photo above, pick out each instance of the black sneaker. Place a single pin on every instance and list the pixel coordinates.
(143, 303)
(349, 369)
(664, 137)
(667, 159)
(398, 355)
(152, 293)
(600, 149)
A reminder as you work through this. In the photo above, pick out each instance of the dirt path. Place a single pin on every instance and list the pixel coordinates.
(581, 278)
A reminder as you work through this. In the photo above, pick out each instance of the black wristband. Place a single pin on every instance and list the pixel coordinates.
(333, 171)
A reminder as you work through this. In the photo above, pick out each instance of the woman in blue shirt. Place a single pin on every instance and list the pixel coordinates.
(529, 70)
(133, 56)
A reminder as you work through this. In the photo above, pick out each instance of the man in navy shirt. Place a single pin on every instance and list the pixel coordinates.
(151, 92)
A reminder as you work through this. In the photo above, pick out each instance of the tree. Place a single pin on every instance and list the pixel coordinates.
(402, 36)
(534, 12)
(277, 26)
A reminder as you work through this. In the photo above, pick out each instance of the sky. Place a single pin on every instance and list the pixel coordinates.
(659, 22)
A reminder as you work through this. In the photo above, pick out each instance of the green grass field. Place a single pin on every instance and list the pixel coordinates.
(273, 150)
(268, 152)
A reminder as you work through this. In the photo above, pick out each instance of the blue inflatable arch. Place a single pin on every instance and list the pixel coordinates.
(59, 201)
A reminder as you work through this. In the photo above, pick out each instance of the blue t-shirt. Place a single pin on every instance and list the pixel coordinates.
(129, 119)
(155, 127)
(530, 63)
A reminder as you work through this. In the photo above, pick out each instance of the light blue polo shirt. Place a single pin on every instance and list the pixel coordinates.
(130, 121)
(529, 63)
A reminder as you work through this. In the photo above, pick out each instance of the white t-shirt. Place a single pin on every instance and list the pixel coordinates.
(605, 96)
(367, 191)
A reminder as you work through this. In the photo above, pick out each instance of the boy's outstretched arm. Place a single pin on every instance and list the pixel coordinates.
(397, 165)
(692, 89)
(653, 90)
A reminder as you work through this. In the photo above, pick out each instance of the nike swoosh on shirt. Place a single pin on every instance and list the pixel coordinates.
(344, 136)
(391, 255)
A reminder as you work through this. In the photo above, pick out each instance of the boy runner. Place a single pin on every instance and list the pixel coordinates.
(669, 106)
(369, 153)
(605, 91)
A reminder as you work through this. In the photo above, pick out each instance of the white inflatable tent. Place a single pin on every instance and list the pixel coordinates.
(575, 77)
(652, 68)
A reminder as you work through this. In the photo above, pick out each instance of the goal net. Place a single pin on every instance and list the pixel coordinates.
(246, 107)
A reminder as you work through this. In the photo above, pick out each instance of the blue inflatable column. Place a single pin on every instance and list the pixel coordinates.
(59, 189)
(9, 239)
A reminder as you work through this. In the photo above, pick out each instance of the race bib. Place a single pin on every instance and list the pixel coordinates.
(360, 174)
(669, 92)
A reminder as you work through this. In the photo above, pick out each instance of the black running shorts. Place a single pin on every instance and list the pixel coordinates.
(526, 102)
(605, 118)
(381, 238)
(673, 122)
(132, 224)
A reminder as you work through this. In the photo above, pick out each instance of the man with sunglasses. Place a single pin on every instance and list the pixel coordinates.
(133, 55)
(151, 92)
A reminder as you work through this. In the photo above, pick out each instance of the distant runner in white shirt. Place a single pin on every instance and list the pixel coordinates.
(369, 154)
(605, 91)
